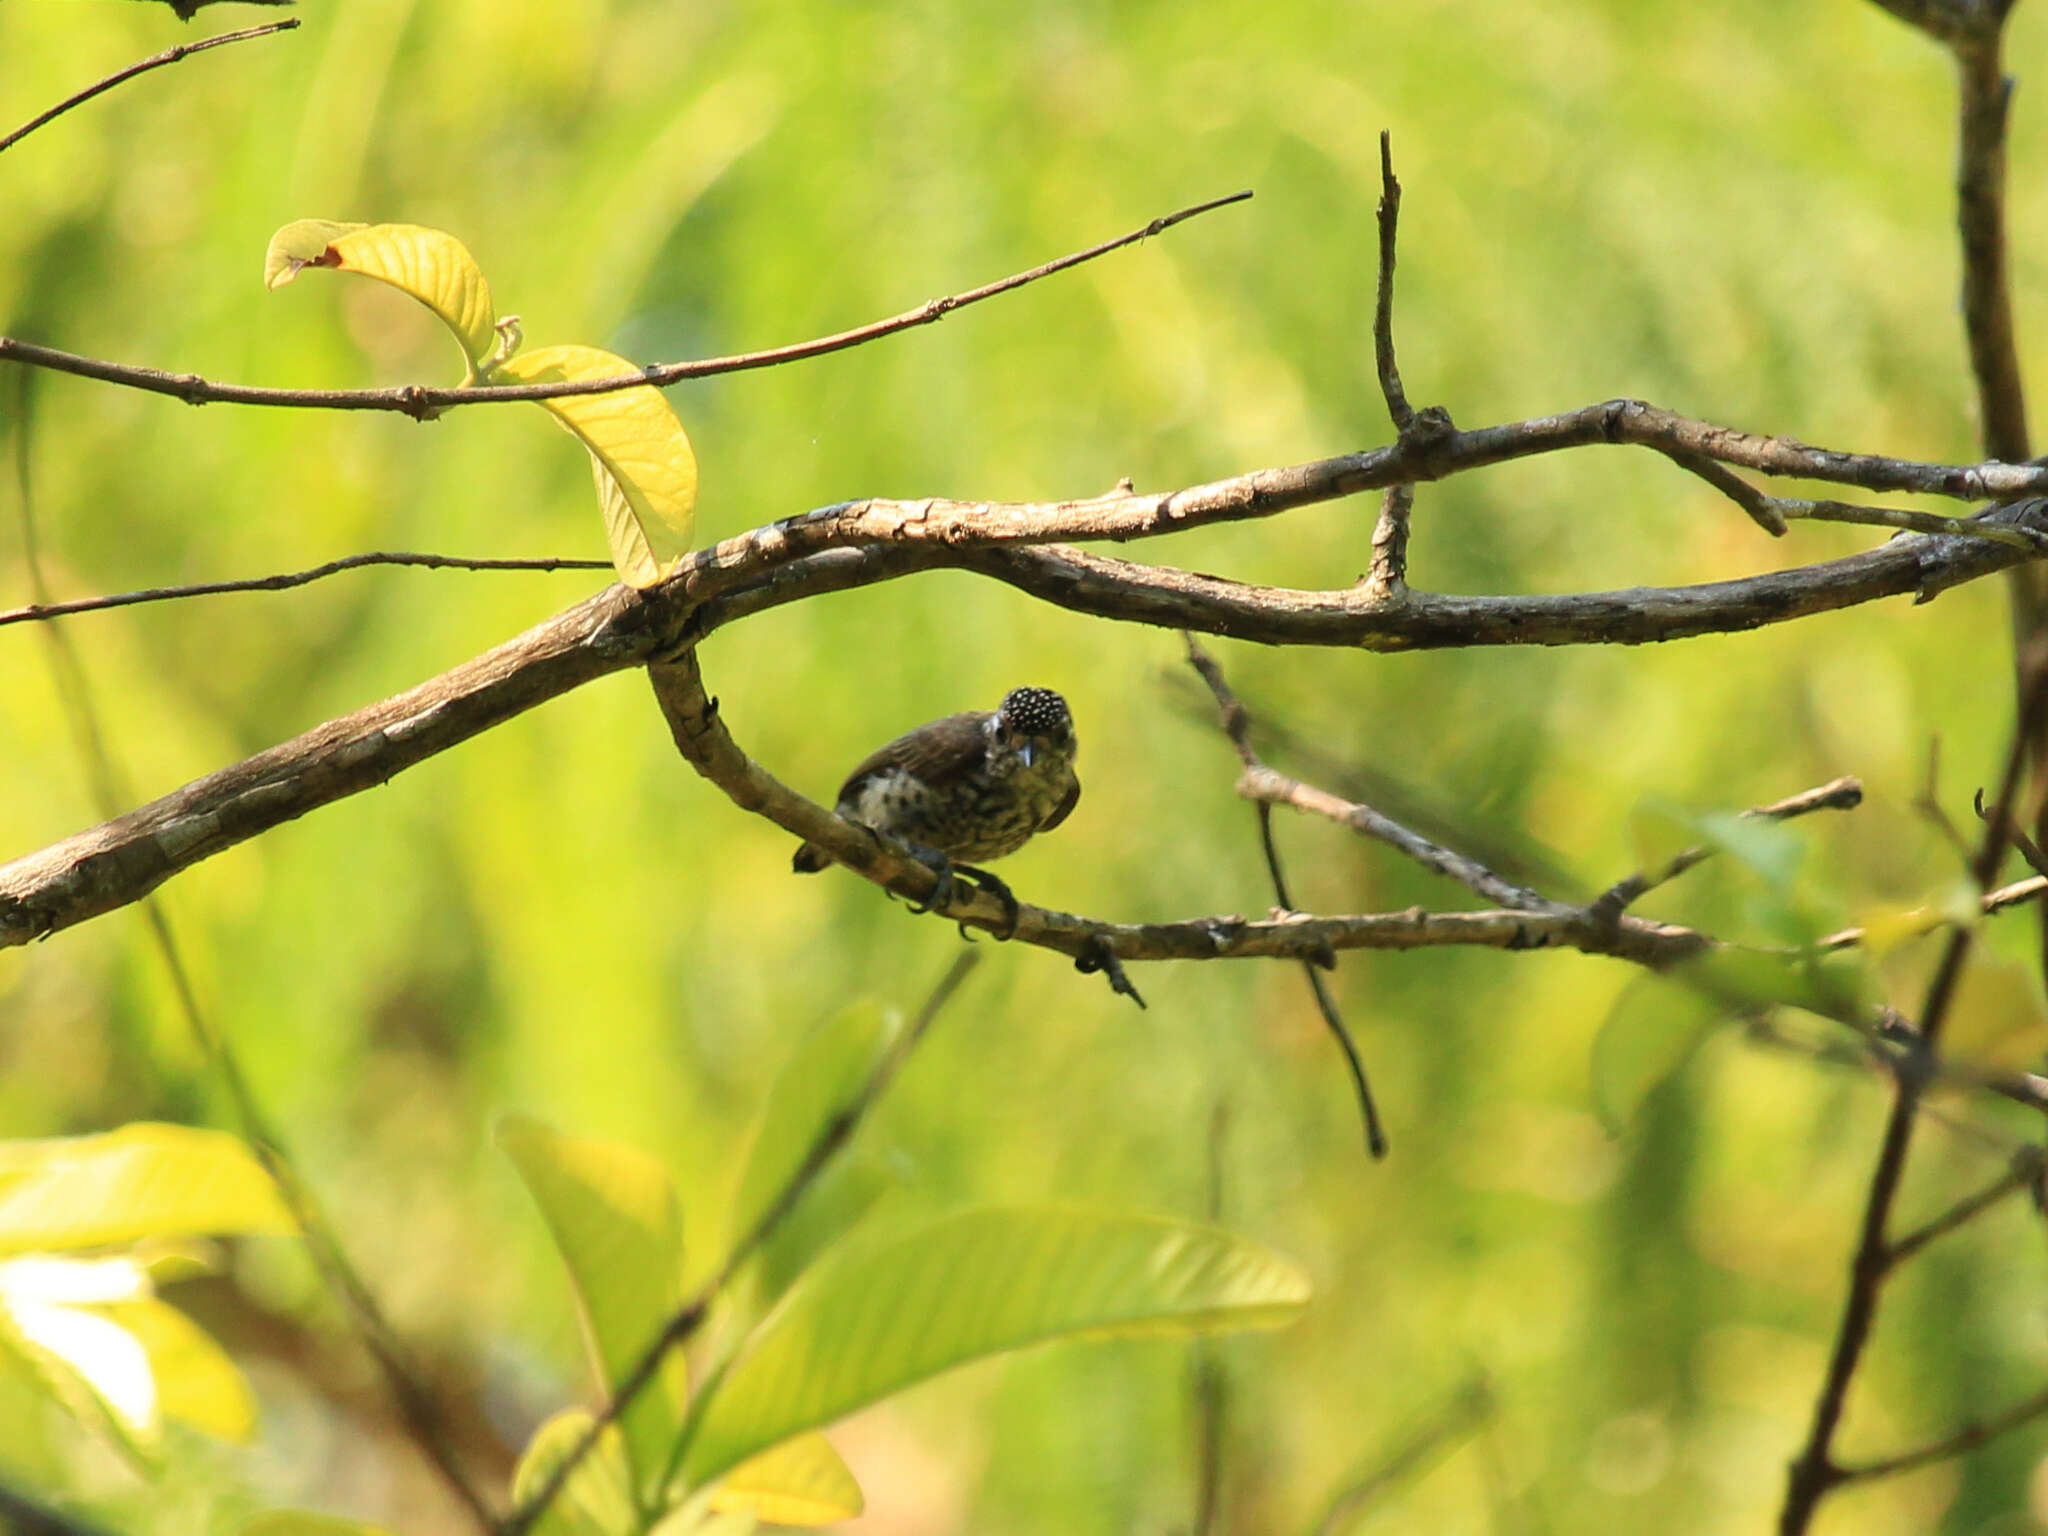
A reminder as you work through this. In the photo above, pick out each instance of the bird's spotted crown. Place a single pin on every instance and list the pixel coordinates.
(1035, 711)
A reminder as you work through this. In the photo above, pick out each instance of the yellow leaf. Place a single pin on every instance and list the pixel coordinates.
(646, 473)
(429, 264)
(1890, 926)
(800, 1482)
(142, 1181)
(196, 1381)
(597, 1499)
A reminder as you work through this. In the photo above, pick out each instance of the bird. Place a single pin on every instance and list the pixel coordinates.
(968, 787)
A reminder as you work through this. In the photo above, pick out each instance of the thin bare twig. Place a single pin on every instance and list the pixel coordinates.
(1269, 787)
(832, 1138)
(38, 612)
(1961, 1443)
(156, 61)
(1237, 724)
(1843, 794)
(2027, 848)
(1774, 514)
(1387, 571)
(2024, 1172)
(423, 402)
(1398, 409)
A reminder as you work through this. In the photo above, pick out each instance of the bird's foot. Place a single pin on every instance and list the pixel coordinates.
(997, 887)
(942, 871)
(1098, 956)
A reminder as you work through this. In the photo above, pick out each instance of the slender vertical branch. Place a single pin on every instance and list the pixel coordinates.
(1986, 93)
(1814, 1472)
(1398, 409)
(1388, 572)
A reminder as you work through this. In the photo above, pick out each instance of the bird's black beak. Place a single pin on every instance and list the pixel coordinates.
(1029, 752)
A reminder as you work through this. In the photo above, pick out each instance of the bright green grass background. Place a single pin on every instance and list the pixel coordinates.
(1741, 211)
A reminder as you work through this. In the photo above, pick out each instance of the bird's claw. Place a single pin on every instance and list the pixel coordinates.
(942, 872)
(1098, 956)
(996, 886)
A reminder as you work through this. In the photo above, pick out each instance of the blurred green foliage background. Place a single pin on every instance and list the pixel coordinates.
(1741, 211)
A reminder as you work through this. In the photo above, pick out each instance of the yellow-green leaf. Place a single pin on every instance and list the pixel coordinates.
(597, 1500)
(143, 1180)
(612, 1211)
(875, 1317)
(800, 1482)
(429, 264)
(646, 472)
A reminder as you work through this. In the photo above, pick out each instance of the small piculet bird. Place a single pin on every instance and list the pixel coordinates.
(971, 786)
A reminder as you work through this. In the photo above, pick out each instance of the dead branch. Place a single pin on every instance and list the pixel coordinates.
(119, 861)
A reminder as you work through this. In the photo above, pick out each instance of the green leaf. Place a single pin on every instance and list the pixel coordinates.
(143, 1180)
(822, 1079)
(612, 1212)
(1774, 850)
(428, 264)
(1649, 1034)
(641, 457)
(876, 1317)
(306, 1522)
(1658, 833)
(799, 1482)
(597, 1500)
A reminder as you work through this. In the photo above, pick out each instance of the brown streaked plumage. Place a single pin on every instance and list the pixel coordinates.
(970, 786)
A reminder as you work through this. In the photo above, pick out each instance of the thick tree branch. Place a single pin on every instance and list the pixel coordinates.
(111, 865)
(1415, 620)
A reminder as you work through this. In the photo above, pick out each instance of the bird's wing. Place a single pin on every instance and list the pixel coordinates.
(936, 753)
(1061, 811)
